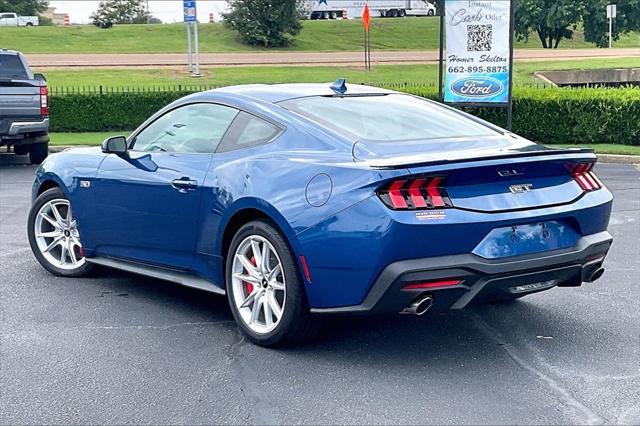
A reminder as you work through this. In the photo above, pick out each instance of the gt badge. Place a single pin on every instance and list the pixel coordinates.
(522, 187)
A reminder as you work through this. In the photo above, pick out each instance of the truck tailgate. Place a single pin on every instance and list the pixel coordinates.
(19, 101)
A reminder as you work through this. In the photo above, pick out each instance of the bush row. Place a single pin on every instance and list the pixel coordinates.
(546, 115)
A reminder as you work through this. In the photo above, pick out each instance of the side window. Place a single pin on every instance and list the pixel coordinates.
(195, 128)
(248, 130)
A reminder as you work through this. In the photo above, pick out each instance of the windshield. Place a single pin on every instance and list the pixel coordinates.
(387, 118)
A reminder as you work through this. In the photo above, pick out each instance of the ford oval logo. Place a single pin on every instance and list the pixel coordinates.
(477, 87)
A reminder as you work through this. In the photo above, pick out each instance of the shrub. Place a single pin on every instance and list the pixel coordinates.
(544, 115)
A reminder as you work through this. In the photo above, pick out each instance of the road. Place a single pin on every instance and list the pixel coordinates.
(118, 348)
(296, 58)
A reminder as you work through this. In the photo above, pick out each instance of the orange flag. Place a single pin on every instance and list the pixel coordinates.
(366, 17)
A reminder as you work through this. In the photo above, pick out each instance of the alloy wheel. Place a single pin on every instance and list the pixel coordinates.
(259, 289)
(57, 237)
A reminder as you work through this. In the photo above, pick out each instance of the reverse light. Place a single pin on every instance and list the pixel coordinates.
(431, 284)
(44, 101)
(412, 194)
(584, 176)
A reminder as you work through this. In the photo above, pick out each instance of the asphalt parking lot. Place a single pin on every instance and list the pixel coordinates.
(119, 348)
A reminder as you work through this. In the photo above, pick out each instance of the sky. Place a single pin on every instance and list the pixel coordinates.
(167, 10)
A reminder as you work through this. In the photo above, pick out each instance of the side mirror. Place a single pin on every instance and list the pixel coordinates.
(39, 76)
(115, 145)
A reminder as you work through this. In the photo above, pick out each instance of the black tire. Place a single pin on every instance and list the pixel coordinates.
(333, 15)
(51, 194)
(402, 13)
(29, 24)
(430, 13)
(394, 13)
(296, 325)
(38, 152)
(325, 15)
(21, 149)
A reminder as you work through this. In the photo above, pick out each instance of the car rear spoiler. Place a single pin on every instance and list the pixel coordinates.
(429, 160)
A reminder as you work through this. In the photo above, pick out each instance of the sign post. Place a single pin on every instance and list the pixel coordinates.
(611, 13)
(191, 20)
(366, 22)
(479, 54)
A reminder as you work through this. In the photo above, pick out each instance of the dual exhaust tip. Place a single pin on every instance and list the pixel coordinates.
(596, 274)
(420, 305)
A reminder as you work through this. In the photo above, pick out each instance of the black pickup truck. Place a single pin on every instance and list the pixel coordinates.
(24, 108)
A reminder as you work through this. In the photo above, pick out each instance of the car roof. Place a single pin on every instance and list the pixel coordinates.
(275, 93)
(8, 52)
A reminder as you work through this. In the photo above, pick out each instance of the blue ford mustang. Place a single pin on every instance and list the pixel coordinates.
(305, 199)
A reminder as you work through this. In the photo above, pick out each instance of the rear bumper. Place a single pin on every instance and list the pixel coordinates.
(22, 126)
(481, 279)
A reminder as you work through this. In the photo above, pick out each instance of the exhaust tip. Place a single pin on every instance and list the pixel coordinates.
(420, 305)
(596, 274)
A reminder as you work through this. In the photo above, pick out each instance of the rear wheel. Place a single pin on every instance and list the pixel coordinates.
(430, 13)
(333, 15)
(38, 152)
(54, 237)
(402, 13)
(265, 289)
(21, 149)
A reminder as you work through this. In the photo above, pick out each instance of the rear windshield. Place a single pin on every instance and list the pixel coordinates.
(11, 67)
(388, 118)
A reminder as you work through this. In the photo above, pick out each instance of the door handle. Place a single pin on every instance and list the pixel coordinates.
(184, 184)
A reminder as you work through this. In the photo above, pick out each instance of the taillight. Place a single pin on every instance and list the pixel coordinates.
(44, 101)
(584, 176)
(419, 193)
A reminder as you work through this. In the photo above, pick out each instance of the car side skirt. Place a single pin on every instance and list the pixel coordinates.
(178, 277)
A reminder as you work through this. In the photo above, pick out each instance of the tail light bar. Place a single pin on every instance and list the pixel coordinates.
(44, 101)
(413, 194)
(584, 176)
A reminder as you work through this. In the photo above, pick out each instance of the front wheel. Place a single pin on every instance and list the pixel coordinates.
(265, 289)
(54, 237)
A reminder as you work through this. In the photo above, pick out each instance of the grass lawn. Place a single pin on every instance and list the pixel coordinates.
(609, 148)
(416, 73)
(93, 138)
(327, 36)
(96, 138)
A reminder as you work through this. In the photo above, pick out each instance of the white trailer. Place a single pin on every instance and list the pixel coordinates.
(8, 19)
(346, 9)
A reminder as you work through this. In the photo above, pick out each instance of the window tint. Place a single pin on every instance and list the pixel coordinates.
(246, 131)
(195, 128)
(11, 67)
(387, 117)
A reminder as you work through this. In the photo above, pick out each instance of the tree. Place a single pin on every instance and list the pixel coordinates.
(552, 20)
(24, 7)
(120, 12)
(265, 22)
(596, 24)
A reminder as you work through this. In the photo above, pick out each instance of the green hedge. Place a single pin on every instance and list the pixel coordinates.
(546, 115)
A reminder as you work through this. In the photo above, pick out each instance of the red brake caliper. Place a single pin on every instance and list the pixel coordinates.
(248, 286)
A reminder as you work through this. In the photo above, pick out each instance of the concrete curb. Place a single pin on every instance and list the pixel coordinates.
(618, 159)
(602, 158)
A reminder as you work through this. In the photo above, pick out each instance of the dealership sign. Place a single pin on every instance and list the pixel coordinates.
(477, 51)
(189, 7)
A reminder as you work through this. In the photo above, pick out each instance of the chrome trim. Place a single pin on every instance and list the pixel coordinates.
(18, 127)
